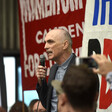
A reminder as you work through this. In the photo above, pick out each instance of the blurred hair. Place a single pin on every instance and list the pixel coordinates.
(68, 36)
(30, 107)
(19, 107)
(81, 86)
(2, 109)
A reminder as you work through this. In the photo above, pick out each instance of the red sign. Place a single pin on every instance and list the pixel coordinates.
(36, 19)
(106, 96)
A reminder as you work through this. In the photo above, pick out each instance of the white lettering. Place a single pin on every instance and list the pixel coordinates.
(47, 9)
(65, 6)
(40, 36)
(52, 7)
(78, 28)
(80, 4)
(58, 7)
(72, 5)
(31, 65)
(34, 10)
(71, 30)
(36, 62)
(28, 10)
(38, 9)
(39, 33)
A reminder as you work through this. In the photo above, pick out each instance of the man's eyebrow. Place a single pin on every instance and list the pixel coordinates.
(50, 40)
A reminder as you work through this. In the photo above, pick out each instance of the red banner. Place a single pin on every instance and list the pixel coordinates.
(36, 19)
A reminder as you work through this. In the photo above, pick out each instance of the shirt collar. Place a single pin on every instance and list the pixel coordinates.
(65, 64)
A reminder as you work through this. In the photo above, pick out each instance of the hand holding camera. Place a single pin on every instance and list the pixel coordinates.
(89, 61)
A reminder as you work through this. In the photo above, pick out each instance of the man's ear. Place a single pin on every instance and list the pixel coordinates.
(66, 43)
(63, 99)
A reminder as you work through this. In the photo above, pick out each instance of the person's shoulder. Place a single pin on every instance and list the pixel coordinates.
(72, 61)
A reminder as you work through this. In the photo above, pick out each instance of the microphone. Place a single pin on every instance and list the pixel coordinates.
(42, 60)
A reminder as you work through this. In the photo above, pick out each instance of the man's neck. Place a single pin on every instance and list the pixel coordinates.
(63, 58)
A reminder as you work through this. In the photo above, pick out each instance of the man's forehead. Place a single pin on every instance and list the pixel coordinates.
(56, 30)
(50, 37)
(54, 34)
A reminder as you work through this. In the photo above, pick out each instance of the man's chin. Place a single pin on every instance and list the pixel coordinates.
(50, 58)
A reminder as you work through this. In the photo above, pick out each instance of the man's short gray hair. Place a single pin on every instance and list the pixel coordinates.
(68, 36)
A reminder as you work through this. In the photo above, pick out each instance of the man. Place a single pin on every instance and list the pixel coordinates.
(78, 92)
(58, 45)
(33, 105)
(36, 106)
(40, 108)
(104, 67)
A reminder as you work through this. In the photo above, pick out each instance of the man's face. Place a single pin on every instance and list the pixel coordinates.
(54, 45)
(41, 108)
(35, 106)
(63, 104)
(59, 103)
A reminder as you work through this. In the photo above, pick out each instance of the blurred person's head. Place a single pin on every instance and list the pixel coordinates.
(2, 109)
(40, 107)
(33, 105)
(19, 107)
(58, 45)
(78, 91)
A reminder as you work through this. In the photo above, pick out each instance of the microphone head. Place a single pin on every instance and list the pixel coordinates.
(42, 60)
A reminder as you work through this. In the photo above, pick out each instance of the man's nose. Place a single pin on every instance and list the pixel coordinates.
(45, 46)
